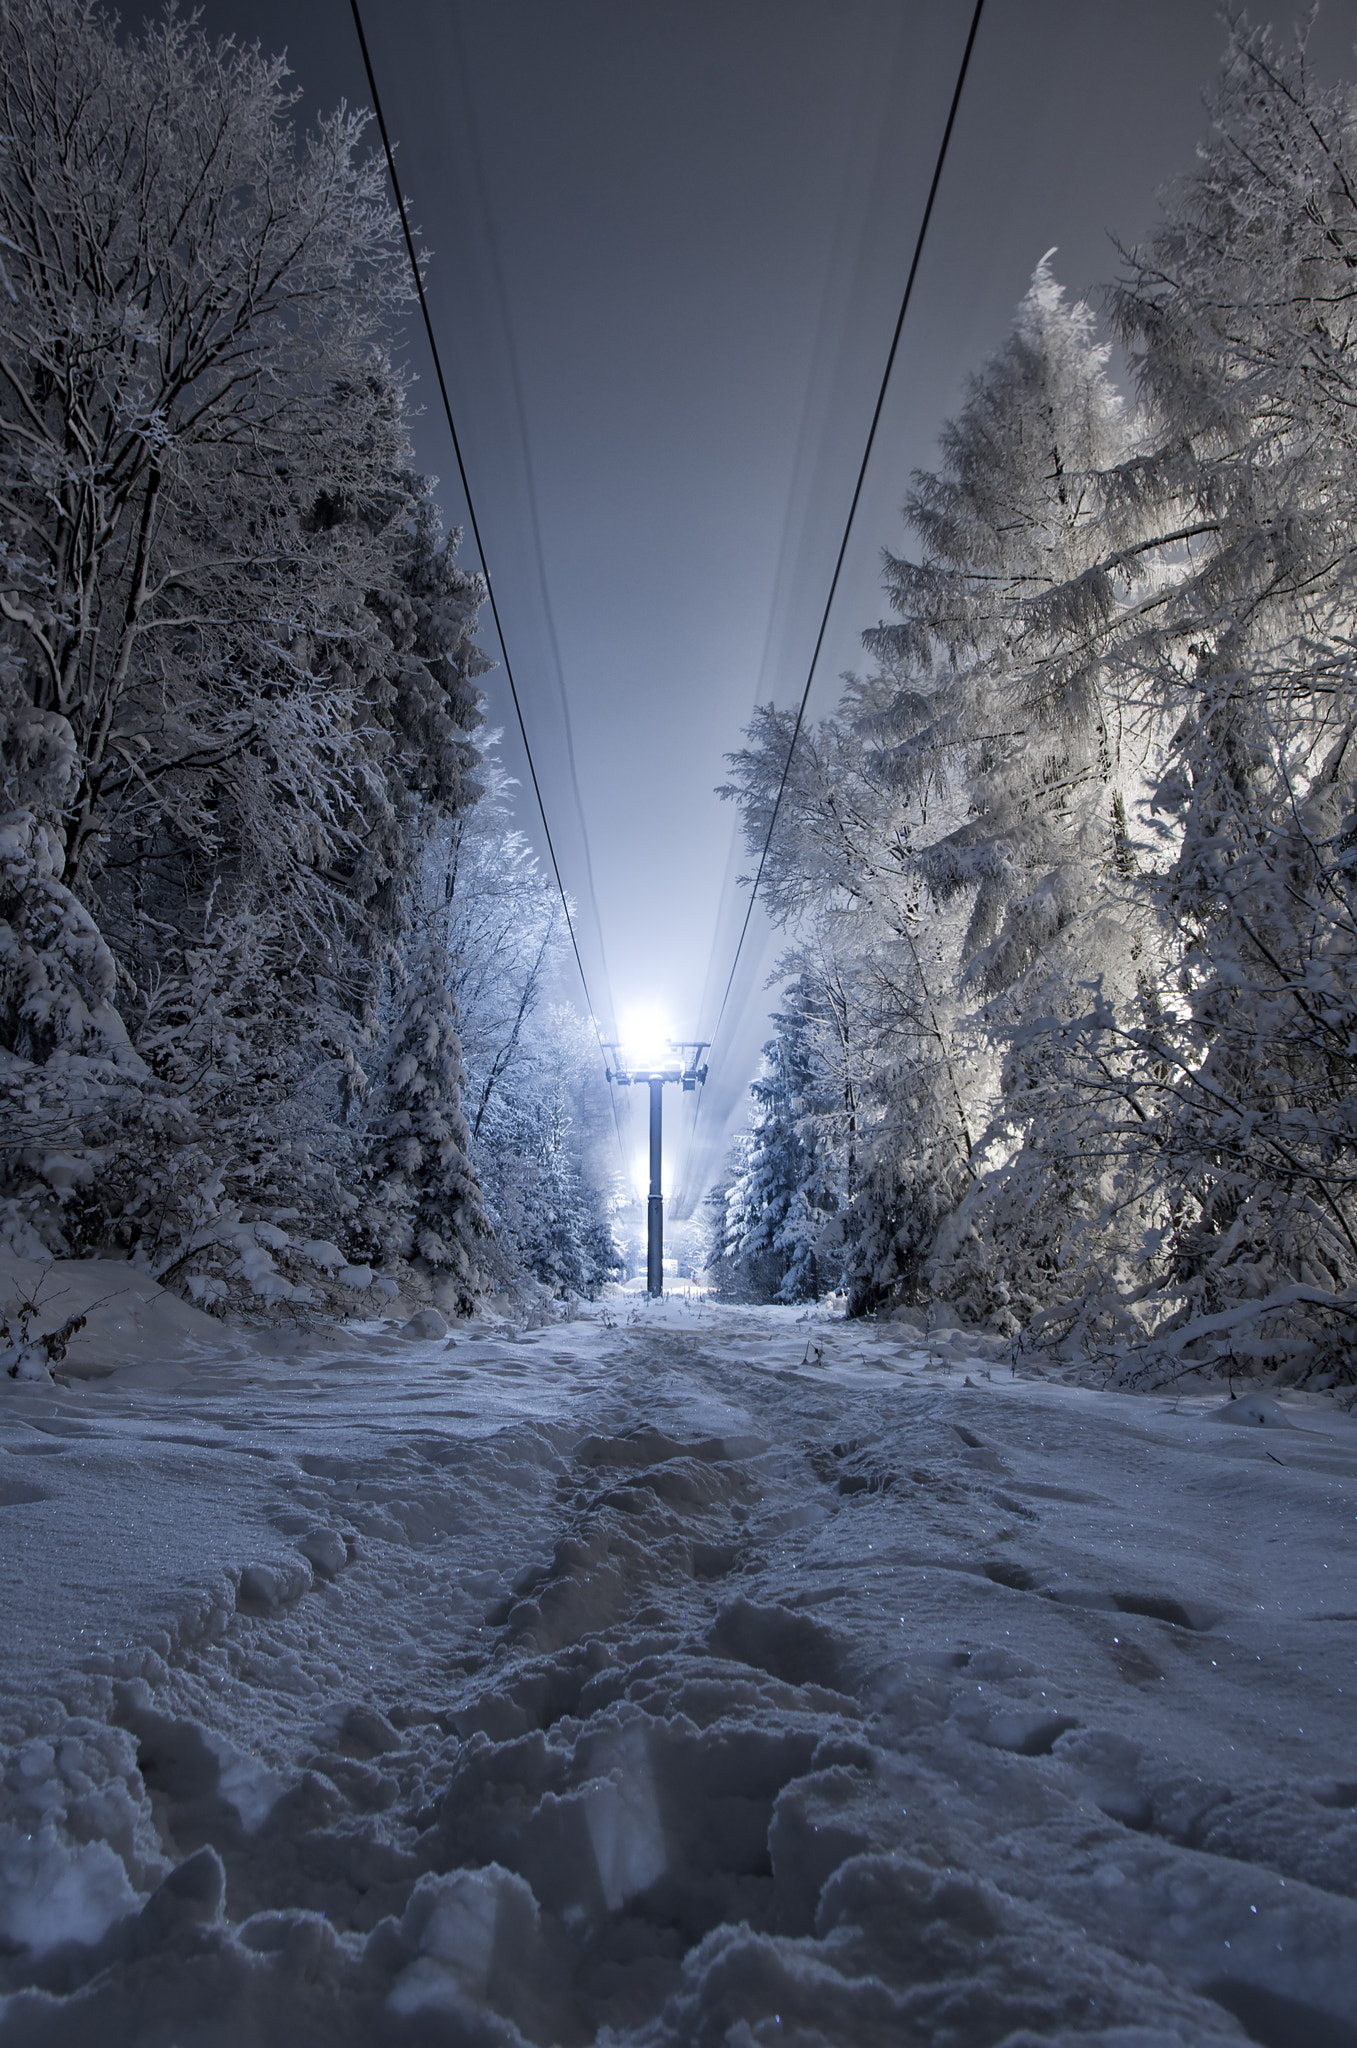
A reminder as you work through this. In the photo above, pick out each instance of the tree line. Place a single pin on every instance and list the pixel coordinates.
(266, 936)
(1066, 1040)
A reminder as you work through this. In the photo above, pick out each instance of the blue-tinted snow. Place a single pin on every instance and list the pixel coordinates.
(675, 1676)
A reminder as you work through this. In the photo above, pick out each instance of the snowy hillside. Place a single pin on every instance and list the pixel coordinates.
(704, 1676)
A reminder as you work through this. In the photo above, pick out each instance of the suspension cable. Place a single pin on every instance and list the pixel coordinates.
(476, 535)
(848, 524)
(857, 493)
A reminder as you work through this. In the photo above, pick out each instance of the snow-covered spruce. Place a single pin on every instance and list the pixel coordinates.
(1068, 876)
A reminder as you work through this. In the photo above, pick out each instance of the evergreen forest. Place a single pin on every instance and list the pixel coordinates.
(1068, 880)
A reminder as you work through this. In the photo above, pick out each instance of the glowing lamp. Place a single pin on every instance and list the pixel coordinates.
(646, 1045)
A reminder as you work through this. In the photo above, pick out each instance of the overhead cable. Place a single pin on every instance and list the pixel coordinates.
(475, 527)
(852, 509)
(471, 127)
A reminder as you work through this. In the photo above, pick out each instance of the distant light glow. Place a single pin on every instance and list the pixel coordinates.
(640, 1175)
(645, 1039)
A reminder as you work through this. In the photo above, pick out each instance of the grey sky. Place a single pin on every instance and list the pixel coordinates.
(668, 247)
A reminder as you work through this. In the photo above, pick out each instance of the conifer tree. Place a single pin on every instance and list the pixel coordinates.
(1000, 698)
(430, 1202)
(779, 1231)
(1237, 317)
(956, 818)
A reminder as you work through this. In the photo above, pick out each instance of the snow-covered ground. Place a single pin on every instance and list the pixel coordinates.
(684, 1675)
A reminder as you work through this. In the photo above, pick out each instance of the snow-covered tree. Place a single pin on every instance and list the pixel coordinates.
(1103, 783)
(549, 1197)
(958, 814)
(1001, 713)
(430, 1201)
(237, 674)
(540, 1134)
(1214, 1091)
(1238, 317)
(194, 398)
(777, 1228)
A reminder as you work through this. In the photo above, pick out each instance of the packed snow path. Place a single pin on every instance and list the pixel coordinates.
(708, 1677)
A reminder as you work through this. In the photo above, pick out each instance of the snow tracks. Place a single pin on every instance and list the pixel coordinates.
(752, 1705)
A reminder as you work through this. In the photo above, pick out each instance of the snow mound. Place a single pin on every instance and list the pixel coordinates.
(128, 1317)
(1253, 1411)
(53, 1891)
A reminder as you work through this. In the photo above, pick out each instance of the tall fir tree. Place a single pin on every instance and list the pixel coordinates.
(430, 1204)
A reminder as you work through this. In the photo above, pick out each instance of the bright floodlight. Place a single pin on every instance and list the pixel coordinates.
(645, 1040)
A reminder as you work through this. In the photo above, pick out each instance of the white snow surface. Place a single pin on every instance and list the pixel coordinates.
(679, 1675)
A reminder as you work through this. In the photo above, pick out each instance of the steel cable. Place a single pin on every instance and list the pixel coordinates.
(476, 535)
(848, 527)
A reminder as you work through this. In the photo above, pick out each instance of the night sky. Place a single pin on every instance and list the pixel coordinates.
(668, 246)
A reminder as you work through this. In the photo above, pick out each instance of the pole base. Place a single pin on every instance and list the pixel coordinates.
(655, 1245)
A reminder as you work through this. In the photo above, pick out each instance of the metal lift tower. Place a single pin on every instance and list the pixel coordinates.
(683, 1068)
